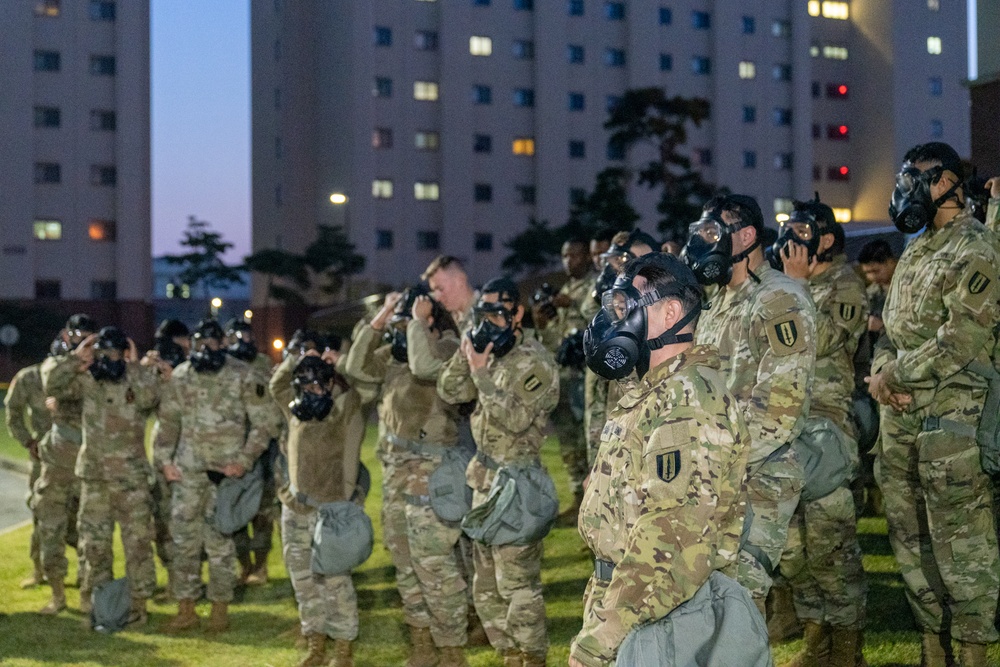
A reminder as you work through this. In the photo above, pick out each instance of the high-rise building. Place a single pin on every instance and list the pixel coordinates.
(74, 136)
(984, 82)
(448, 124)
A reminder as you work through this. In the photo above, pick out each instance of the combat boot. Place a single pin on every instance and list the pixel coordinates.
(186, 618)
(512, 658)
(36, 578)
(476, 632)
(532, 660)
(423, 653)
(258, 577)
(58, 600)
(782, 623)
(453, 656)
(845, 646)
(972, 655)
(138, 616)
(816, 652)
(218, 620)
(316, 657)
(342, 653)
(935, 650)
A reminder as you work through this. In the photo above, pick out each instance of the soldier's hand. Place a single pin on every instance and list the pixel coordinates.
(875, 324)
(993, 185)
(796, 261)
(330, 356)
(422, 308)
(478, 360)
(312, 352)
(150, 358)
(165, 369)
(132, 353)
(391, 299)
(171, 472)
(234, 470)
(51, 403)
(85, 351)
(900, 402)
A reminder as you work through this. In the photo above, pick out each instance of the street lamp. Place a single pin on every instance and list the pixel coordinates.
(338, 198)
(248, 315)
(216, 305)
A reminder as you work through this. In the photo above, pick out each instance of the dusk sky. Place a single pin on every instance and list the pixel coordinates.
(201, 120)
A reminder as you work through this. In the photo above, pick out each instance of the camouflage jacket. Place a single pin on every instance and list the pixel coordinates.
(515, 395)
(573, 316)
(114, 417)
(262, 364)
(875, 294)
(666, 498)
(766, 336)
(993, 214)
(62, 447)
(209, 420)
(27, 417)
(940, 311)
(841, 320)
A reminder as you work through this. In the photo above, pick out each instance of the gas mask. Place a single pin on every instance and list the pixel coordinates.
(709, 248)
(204, 359)
(612, 262)
(395, 335)
(105, 367)
(242, 349)
(801, 229)
(312, 382)
(486, 331)
(169, 351)
(912, 208)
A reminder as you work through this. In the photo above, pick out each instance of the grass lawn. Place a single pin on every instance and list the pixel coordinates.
(9, 447)
(264, 614)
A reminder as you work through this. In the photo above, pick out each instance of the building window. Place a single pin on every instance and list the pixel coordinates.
(481, 3)
(47, 8)
(383, 239)
(103, 290)
(816, 89)
(616, 150)
(783, 205)
(835, 52)
(483, 242)
(934, 5)
(817, 172)
(701, 65)
(526, 5)
(747, 69)
(102, 65)
(836, 10)
(524, 97)
(576, 102)
(48, 289)
(782, 161)
(836, 91)
(46, 61)
(934, 46)
(574, 54)
(666, 62)
(838, 132)
(426, 191)
(48, 172)
(577, 149)
(610, 102)
(48, 230)
(382, 137)
(614, 57)
(936, 86)
(781, 28)
(428, 240)
(47, 117)
(102, 120)
(482, 95)
(382, 188)
(523, 49)
(482, 192)
(480, 46)
(782, 72)
(749, 25)
(614, 11)
(749, 159)
(383, 36)
(383, 87)
(782, 117)
(102, 10)
(749, 114)
(575, 8)
(814, 51)
(666, 16)
(816, 131)
(701, 20)
(482, 143)
(425, 40)
(842, 215)
(101, 230)
(525, 194)
(937, 129)
(426, 140)
(103, 175)
(425, 90)
(523, 146)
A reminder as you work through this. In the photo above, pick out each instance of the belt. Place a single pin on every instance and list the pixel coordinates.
(419, 501)
(603, 569)
(415, 447)
(491, 463)
(950, 425)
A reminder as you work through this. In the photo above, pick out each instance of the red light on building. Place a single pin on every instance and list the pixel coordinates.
(844, 171)
(842, 89)
(843, 129)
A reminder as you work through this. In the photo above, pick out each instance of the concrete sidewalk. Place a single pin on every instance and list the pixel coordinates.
(13, 489)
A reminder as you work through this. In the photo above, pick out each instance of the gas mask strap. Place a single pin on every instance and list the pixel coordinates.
(949, 194)
(670, 336)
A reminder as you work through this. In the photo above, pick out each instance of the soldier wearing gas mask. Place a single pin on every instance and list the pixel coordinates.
(762, 322)
(118, 395)
(240, 344)
(171, 343)
(939, 318)
(56, 495)
(216, 418)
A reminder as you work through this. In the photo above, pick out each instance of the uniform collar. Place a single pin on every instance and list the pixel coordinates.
(699, 355)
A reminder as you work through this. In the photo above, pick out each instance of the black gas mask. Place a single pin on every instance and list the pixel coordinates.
(170, 351)
(109, 355)
(240, 337)
(800, 229)
(485, 330)
(912, 208)
(203, 358)
(313, 385)
(395, 332)
(709, 248)
(611, 263)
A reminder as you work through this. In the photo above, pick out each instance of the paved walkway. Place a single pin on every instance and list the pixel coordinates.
(13, 511)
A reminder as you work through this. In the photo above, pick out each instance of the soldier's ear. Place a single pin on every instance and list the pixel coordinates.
(518, 314)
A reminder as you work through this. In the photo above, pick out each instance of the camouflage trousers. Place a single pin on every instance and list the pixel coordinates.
(192, 526)
(161, 496)
(34, 550)
(55, 500)
(127, 502)
(773, 492)
(327, 605)
(507, 589)
(938, 508)
(822, 561)
(595, 412)
(568, 422)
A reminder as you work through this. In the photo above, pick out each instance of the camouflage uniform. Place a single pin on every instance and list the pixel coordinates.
(823, 558)
(323, 460)
(765, 334)
(666, 499)
(114, 469)
(415, 427)
(28, 420)
(568, 415)
(515, 394)
(993, 224)
(939, 317)
(203, 427)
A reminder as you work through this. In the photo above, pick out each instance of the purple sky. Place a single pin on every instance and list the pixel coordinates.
(201, 120)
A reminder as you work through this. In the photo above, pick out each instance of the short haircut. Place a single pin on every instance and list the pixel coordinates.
(576, 239)
(506, 288)
(442, 262)
(744, 207)
(937, 152)
(876, 252)
(673, 279)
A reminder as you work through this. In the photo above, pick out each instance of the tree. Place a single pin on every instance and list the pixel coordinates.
(203, 265)
(645, 116)
(534, 249)
(606, 206)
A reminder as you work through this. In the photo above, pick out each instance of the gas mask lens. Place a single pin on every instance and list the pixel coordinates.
(906, 179)
(617, 304)
(707, 229)
(615, 259)
(802, 230)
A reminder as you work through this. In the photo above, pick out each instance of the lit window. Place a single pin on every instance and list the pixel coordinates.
(101, 230)
(842, 215)
(103, 290)
(383, 239)
(574, 54)
(577, 102)
(48, 172)
(382, 137)
(482, 95)
(48, 230)
(426, 140)
(482, 192)
(382, 188)
(47, 117)
(426, 191)
(523, 146)
(49, 8)
(933, 5)
(482, 143)
(749, 159)
(105, 175)
(813, 7)
(523, 49)
(835, 52)
(383, 36)
(102, 65)
(483, 242)
(425, 40)
(934, 46)
(480, 46)
(814, 51)
(524, 97)
(747, 70)
(614, 57)
(577, 149)
(428, 240)
(666, 62)
(425, 90)
(836, 10)
(701, 65)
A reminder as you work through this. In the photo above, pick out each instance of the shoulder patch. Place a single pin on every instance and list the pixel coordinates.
(785, 334)
(978, 282)
(532, 383)
(845, 312)
(668, 465)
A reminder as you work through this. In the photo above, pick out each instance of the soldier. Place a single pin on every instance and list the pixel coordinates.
(56, 494)
(204, 437)
(939, 317)
(516, 384)
(325, 429)
(667, 498)
(118, 396)
(416, 429)
(450, 287)
(822, 560)
(599, 244)
(567, 314)
(878, 263)
(762, 321)
(993, 224)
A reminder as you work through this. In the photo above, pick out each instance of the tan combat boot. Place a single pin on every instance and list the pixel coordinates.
(138, 616)
(343, 654)
(816, 652)
(845, 646)
(36, 578)
(186, 618)
(512, 658)
(316, 657)
(476, 632)
(782, 623)
(58, 601)
(258, 577)
(532, 660)
(453, 656)
(935, 650)
(423, 653)
(218, 620)
(972, 655)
